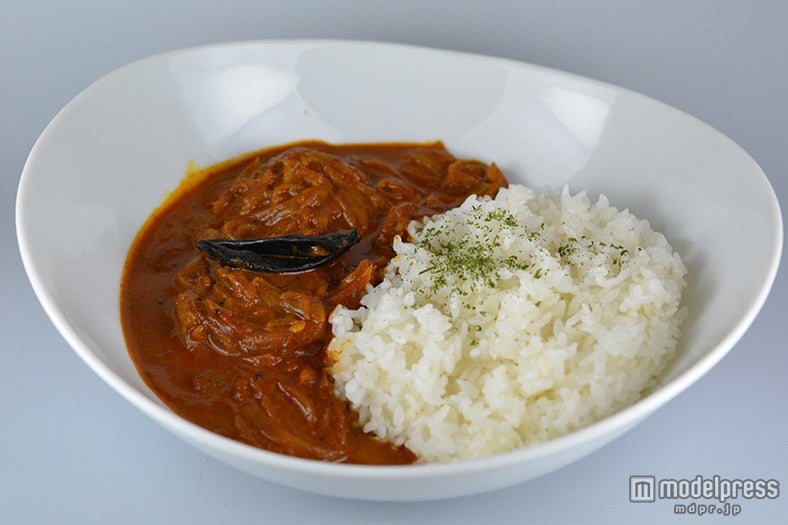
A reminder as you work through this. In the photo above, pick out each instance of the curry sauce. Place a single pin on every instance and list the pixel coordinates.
(243, 353)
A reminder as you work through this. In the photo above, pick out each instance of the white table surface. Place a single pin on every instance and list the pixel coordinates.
(73, 451)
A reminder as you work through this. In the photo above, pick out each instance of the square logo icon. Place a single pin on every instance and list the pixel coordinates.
(642, 489)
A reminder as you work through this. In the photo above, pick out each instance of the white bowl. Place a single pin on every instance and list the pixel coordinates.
(111, 155)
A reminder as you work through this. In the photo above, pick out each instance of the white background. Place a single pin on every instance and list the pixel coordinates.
(73, 451)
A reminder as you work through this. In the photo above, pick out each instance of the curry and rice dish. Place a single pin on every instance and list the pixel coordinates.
(391, 304)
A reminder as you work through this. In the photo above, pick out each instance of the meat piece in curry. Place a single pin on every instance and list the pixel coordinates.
(243, 353)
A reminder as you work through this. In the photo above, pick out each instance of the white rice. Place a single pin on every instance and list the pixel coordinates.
(509, 322)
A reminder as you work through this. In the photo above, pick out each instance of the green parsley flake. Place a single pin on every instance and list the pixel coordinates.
(474, 260)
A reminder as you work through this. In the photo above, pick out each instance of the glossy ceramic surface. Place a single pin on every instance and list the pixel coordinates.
(112, 154)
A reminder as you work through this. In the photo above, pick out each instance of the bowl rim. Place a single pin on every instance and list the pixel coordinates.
(620, 420)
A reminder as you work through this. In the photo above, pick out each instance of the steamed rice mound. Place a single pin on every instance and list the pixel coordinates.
(509, 322)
